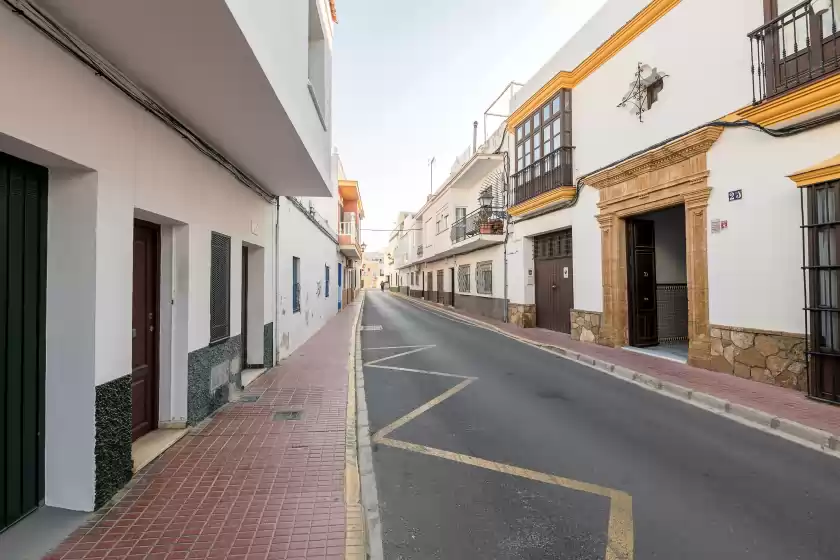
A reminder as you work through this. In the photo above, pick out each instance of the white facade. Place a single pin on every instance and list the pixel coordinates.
(111, 162)
(754, 275)
(447, 233)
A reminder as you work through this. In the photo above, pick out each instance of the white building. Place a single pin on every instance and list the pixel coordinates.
(148, 257)
(652, 210)
(452, 249)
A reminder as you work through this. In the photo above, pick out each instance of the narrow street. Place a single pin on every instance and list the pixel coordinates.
(518, 453)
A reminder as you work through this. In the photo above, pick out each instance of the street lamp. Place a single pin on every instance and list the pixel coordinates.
(485, 200)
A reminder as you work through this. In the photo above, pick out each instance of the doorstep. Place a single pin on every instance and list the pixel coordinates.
(251, 375)
(152, 445)
(39, 532)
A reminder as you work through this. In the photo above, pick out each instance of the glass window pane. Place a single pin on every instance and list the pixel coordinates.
(567, 100)
(527, 148)
(519, 132)
(547, 145)
(555, 126)
(536, 153)
(527, 160)
(536, 121)
(519, 151)
(519, 164)
(527, 128)
(557, 141)
(546, 112)
(555, 105)
(537, 136)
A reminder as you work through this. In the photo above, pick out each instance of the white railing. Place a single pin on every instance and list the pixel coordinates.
(349, 229)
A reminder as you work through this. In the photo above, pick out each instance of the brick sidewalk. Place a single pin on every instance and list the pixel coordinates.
(242, 485)
(778, 401)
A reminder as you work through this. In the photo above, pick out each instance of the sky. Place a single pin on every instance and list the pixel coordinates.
(410, 77)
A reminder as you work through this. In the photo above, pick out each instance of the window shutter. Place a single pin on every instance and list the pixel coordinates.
(219, 286)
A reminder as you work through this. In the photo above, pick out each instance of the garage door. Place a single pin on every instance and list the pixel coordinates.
(23, 212)
(554, 280)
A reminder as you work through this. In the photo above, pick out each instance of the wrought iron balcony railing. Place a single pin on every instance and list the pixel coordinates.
(796, 47)
(419, 250)
(545, 174)
(482, 221)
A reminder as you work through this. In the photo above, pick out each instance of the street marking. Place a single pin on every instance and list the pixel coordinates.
(620, 543)
(421, 371)
(620, 531)
(400, 354)
(400, 347)
(420, 410)
(372, 328)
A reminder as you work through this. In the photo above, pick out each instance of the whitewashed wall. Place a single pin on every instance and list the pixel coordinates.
(586, 250)
(757, 259)
(278, 35)
(108, 160)
(299, 237)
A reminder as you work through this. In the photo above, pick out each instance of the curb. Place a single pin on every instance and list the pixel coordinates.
(369, 495)
(812, 438)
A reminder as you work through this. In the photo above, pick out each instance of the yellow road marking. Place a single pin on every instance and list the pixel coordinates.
(421, 409)
(620, 544)
(620, 531)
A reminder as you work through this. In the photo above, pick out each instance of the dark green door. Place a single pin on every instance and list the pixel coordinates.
(23, 251)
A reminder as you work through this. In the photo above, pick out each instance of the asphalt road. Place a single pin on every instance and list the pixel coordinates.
(702, 486)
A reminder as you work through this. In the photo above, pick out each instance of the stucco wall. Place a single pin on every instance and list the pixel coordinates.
(757, 258)
(300, 238)
(586, 250)
(282, 48)
(109, 159)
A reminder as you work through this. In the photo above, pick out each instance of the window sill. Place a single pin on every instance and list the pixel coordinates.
(219, 340)
(317, 104)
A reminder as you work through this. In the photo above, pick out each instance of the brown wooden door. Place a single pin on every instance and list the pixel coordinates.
(452, 285)
(641, 282)
(144, 355)
(440, 291)
(429, 286)
(554, 281)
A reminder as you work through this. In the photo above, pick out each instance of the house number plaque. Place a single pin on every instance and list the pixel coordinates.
(735, 195)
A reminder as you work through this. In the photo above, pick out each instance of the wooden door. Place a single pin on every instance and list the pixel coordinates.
(554, 281)
(641, 283)
(452, 286)
(23, 251)
(440, 290)
(244, 291)
(429, 286)
(144, 353)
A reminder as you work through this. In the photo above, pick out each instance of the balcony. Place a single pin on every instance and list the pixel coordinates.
(797, 47)
(484, 221)
(420, 251)
(545, 174)
(348, 240)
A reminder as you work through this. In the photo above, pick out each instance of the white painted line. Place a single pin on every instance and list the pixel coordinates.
(400, 347)
(372, 328)
(399, 355)
(422, 371)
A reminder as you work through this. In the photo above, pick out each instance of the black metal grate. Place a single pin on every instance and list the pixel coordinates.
(283, 415)
(821, 220)
(553, 245)
(672, 312)
(484, 277)
(219, 286)
(464, 278)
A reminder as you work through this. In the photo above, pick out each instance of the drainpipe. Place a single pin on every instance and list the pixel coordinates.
(274, 259)
(475, 136)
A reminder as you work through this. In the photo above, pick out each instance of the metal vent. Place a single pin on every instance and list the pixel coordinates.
(219, 286)
(283, 415)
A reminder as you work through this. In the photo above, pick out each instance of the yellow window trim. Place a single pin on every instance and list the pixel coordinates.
(795, 103)
(828, 170)
(569, 79)
(543, 200)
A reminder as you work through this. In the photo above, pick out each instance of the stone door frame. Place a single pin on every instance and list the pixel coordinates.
(670, 175)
